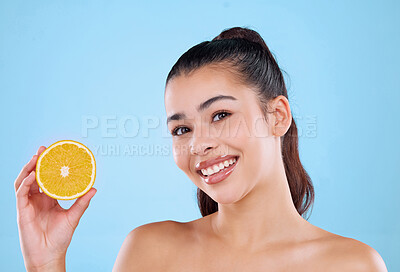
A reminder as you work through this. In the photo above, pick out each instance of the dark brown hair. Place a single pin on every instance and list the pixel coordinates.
(243, 52)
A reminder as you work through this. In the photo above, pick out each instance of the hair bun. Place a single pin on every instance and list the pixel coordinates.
(241, 32)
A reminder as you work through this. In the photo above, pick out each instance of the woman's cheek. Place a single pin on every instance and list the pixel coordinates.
(239, 127)
(177, 155)
(181, 155)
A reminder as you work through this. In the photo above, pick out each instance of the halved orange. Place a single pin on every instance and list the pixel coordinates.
(66, 170)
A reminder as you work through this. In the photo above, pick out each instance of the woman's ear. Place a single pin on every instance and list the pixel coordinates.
(282, 115)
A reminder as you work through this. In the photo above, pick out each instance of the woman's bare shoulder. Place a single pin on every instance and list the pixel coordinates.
(162, 234)
(348, 254)
(146, 247)
(158, 228)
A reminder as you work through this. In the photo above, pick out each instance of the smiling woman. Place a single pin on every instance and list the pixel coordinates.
(234, 136)
(249, 63)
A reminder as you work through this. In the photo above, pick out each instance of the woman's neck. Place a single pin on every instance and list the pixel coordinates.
(266, 215)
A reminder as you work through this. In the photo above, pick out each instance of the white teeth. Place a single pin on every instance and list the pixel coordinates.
(217, 167)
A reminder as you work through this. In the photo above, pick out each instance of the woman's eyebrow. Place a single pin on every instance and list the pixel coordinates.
(200, 108)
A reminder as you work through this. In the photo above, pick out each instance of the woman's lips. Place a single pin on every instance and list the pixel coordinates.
(221, 175)
(211, 162)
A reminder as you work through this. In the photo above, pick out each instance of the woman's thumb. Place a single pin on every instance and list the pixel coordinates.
(79, 207)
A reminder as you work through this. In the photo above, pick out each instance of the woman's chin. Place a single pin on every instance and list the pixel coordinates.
(224, 198)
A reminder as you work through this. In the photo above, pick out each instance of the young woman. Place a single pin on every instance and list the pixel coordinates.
(235, 138)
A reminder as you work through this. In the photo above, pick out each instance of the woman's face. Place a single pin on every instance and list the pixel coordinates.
(204, 133)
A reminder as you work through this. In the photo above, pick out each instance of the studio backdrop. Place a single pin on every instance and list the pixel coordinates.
(95, 71)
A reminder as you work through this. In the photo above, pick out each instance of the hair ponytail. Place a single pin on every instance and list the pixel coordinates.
(247, 55)
(300, 184)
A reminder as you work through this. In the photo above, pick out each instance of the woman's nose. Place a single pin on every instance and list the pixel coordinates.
(202, 141)
(200, 149)
(201, 145)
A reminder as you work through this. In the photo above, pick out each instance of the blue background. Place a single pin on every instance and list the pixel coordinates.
(62, 63)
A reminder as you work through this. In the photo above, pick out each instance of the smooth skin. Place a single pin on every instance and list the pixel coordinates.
(256, 228)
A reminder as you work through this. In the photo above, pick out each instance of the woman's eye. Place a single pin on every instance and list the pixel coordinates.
(175, 131)
(222, 113)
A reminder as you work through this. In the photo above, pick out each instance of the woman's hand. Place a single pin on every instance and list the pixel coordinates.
(45, 228)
